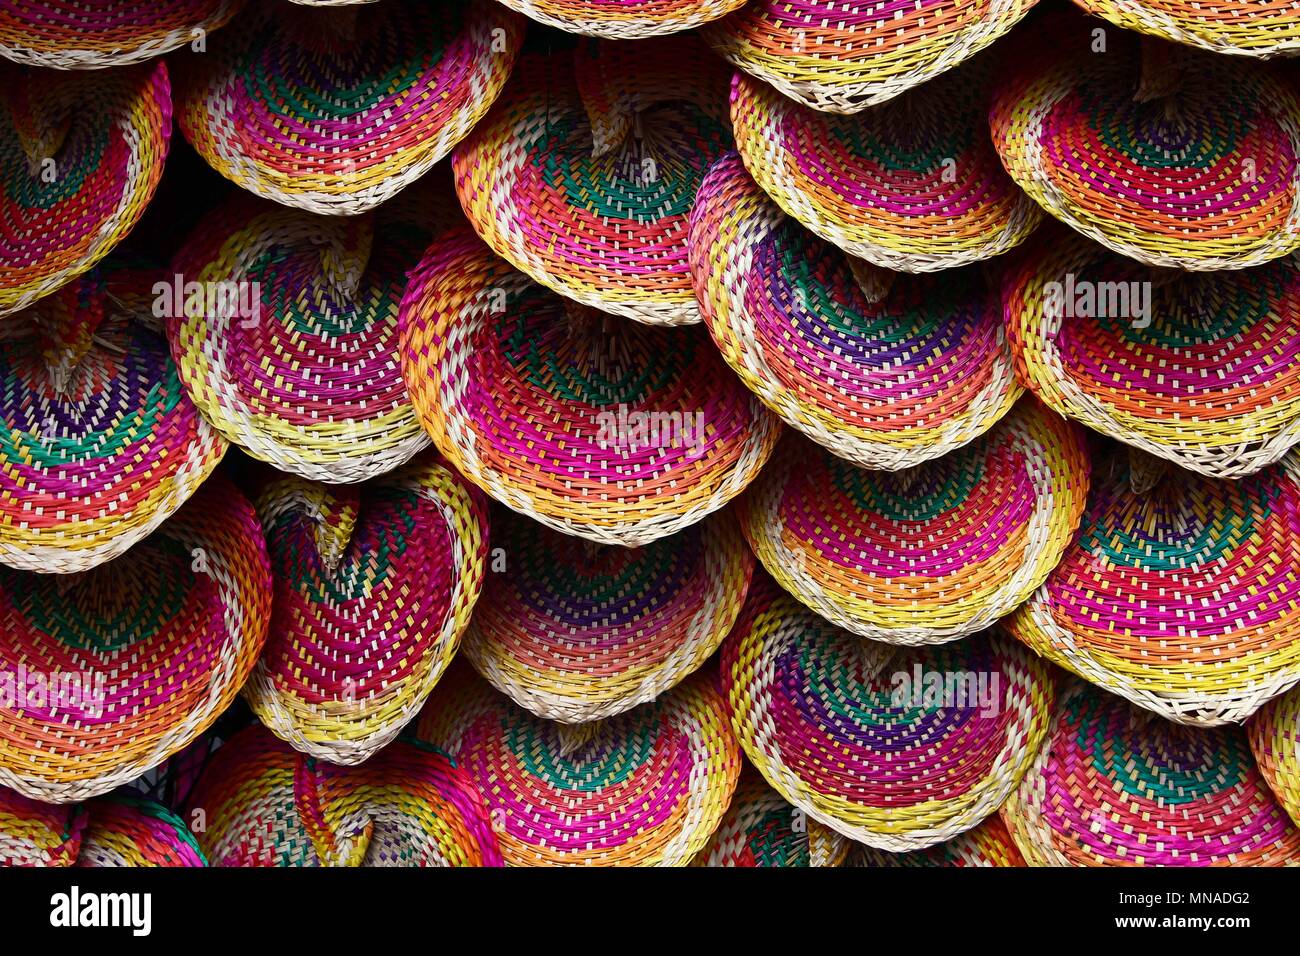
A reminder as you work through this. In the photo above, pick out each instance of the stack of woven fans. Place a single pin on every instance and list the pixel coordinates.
(649, 432)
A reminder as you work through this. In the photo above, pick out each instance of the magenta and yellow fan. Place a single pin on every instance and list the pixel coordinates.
(374, 585)
(987, 845)
(929, 554)
(263, 804)
(882, 368)
(644, 788)
(897, 748)
(624, 19)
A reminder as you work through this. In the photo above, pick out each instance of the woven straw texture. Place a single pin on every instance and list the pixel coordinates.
(884, 369)
(297, 363)
(1182, 596)
(76, 35)
(611, 430)
(1256, 28)
(334, 111)
(987, 845)
(108, 672)
(1200, 369)
(1115, 786)
(114, 831)
(584, 174)
(930, 554)
(374, 585)
(624, 19)
(851, 732)
(843, 57)
(80, 157)
(1171, 156)
(645, 788)
(913, 185)
(1275, 740)
(576, 631)
(266, 805)
(100, 442)
(761, 829)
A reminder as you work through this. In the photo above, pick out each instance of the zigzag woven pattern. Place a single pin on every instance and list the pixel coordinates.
(1202, 369)
(100, 444)
(761, 830)
(1115, 788)
(374, 585)
(1183, 597)
(80, 158)
(624, 19)
(112, 670)
(645, 788)
(987, 845)
(851, 731)
(1257, 28)
(1275, 741)
(883, 369)
(598, 427)
(334, 111)
(930, 554)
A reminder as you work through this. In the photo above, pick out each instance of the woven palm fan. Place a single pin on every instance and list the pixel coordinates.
(843, 57)
(896, 748)
(260, 803)
(624, 19)
(284, 324)
(1170, 156)
(1114, 786)
(644, 788)
(1275, 740)
(1179, 593)
(334, 111)
(1258, 28)
(884, 369)
(987, 845)
(576, 631)
(584, 174)
(611, 430)
(33, 833)
(100, 442)
(80, 157)
(373, 588)
(761, 829)
(912, 185)
(106, 673)
(130, 831)
(76, 35)
(1202, 369)
(929, 554)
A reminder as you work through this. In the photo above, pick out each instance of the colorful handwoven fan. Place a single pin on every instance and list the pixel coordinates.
(913, 185)
(1275, 741)
(106, 673)
(1116, 786)
(285, 327)
(932, 553)
(843, 57)
(1252, 28)
(260, 803)
(80, 35)
(98, 441)
(644, 788)
(131, 831)
(1180, 593)
(885, 369)
(624, 19)
(1202, 369)
(584, 174)
(896, 748)
(761, 829)
(987, 845)
(80, 157)
(611, 430)
(33, 833)
(1168, 155)
(334, 111)
(373, 587)
(576, 631)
